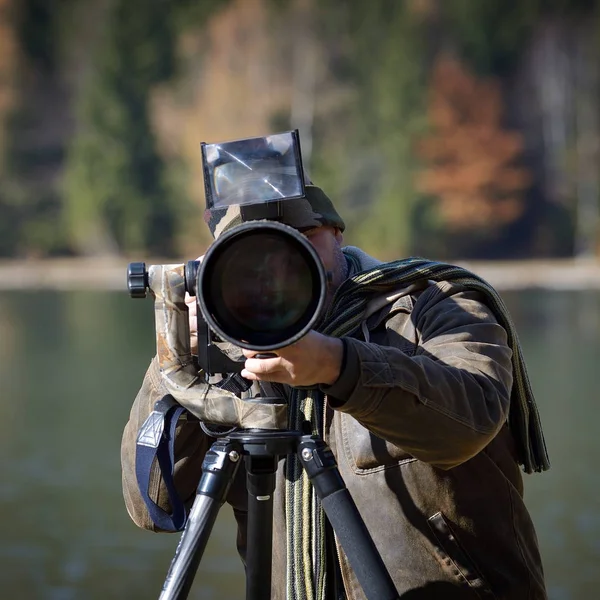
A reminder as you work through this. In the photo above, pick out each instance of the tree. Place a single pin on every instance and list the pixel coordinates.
(116, 195)
(364, 151)
(472, 161)
(8, 68)
(33, 122)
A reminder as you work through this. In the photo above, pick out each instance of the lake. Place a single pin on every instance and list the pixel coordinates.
(71, 364)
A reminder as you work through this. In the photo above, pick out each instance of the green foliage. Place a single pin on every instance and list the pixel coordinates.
(116, 195)
(9, 234)
(371, 173)
(30, 205)
(122, 196)
(193, 13)
(491, 35)
(36, 27)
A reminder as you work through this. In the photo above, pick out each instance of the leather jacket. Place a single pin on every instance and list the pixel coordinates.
(418, 424)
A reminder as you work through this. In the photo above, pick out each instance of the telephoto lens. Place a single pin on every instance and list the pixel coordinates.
(261, 286)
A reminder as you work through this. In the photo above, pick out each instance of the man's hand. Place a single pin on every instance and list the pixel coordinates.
(314, 359)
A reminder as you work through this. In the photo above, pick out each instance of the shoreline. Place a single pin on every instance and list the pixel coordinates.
(71, 274)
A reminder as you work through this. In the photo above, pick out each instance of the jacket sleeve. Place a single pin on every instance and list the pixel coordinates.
(191, 445)
(445, 401)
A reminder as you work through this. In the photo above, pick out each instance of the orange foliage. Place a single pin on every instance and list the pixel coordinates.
(232, 85)
(471, 159)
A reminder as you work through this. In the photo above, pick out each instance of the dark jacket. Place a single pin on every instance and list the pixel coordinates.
(417, 422)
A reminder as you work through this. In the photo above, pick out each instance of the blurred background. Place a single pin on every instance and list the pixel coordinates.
(461, 130)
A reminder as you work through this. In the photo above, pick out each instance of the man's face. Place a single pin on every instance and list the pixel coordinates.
(327, 241)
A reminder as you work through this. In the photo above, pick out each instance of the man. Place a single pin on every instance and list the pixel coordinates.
(415, 403)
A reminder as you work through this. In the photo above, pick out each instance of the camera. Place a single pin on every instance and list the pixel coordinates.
(261, 285)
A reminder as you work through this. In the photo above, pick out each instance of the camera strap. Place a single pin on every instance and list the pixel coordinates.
(156, 440)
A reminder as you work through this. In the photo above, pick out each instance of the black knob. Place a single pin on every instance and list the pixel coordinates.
(137, 279)
(191, 274)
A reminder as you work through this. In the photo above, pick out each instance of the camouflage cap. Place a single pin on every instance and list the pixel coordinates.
(314, 210)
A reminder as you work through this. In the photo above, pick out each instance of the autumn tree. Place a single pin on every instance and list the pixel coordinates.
(471, 160)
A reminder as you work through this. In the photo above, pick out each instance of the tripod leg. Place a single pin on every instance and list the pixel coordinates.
(321, 468)
(260, 476)
(218, 470)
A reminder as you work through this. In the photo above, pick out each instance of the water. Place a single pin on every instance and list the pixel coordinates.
(560, 333)
(70, 365)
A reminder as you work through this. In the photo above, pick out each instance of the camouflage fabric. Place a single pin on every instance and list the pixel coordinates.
(315, 210)
(178, 372)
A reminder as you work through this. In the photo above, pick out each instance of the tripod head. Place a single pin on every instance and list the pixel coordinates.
(179, 368)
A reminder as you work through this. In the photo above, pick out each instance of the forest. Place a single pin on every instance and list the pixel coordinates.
(453, 129)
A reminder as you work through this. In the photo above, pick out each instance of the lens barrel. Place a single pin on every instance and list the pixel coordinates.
(261, 286)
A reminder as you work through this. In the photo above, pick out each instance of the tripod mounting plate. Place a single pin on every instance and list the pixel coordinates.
(260, 442)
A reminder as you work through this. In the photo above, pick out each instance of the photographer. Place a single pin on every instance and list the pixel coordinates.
(415, 406)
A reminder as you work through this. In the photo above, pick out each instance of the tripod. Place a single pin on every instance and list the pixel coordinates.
(262, 450)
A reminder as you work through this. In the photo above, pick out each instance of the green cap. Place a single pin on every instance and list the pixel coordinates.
(314, 210)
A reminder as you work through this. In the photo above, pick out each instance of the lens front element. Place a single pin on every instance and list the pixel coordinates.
(262, 285)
